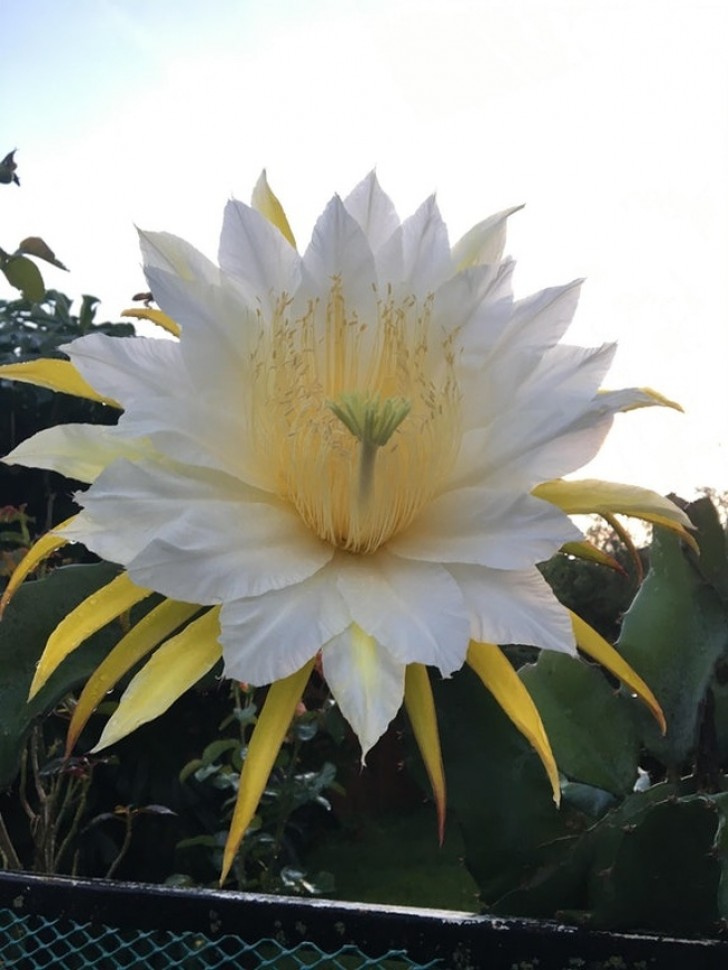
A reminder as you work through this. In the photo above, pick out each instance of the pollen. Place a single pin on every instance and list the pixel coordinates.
(358, 421)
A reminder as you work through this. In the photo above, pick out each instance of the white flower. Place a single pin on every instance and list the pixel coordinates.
(341, 449)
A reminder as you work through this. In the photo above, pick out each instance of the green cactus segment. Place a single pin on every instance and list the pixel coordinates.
(612, 857)
(674, 634)
(654, 867)
(571, 694)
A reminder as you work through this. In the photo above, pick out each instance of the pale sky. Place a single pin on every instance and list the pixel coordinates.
(608, 119)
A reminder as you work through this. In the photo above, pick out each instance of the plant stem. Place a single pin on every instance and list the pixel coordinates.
(76, 821)
(129, 821)
(7, 848)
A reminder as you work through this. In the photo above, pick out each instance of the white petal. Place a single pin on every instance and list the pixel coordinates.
(555, 448)
(190, 413)
(483, 243)
(537, 324)
(339, 249)
(373, 210)
(389, 261)
(570, 450)
(549, 428)
(564, 452)
(218, 326)
(367, 683)
(254, 252)
(414, 609)
(197, 430)
(474, 302)
(570, 375)
(268, 637)
(426, 250)
(216, 314)
(164, 251)
(514, 606)
(80, 451)
(497, 529)
(126, 368)
(197, 536)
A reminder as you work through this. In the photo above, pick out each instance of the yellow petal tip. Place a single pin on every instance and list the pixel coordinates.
(157, 317)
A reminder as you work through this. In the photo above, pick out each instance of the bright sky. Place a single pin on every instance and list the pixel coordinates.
(609, 118)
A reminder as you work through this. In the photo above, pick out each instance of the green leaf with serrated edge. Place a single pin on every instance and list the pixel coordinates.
(674, 633)
(24, 275)
(592, 734)
(28, 621)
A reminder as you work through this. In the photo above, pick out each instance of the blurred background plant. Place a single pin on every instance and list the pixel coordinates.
(292, 813)
(29, 330)
(20, 271)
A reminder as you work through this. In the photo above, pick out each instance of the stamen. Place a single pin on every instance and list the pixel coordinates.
(329, 391)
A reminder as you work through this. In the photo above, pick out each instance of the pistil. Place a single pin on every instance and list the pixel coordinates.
(372, 421)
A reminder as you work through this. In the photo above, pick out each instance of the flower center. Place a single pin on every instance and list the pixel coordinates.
(361, 420)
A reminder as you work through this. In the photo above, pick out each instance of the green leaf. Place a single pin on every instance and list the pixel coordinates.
(28, 621)
(592, 734)
(24, 275)
(674, 633)
(35, 246)
(215, 749)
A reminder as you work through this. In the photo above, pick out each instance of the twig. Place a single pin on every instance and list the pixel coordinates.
(7, 848)
(129, 821)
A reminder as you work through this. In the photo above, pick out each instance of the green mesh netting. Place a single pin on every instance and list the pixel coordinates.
(31, 942)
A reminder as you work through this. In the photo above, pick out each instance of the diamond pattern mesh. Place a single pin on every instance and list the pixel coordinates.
(33, 942)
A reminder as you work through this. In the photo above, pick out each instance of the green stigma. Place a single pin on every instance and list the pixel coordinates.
(372, 421)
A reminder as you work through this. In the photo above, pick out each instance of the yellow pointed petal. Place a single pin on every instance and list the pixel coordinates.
(39, 551)
(585, 550)
(491, 665)
(267, 204)
(592, 496)
(270, 730)
(420, 706)
(633, 398)
(596, 647)
(94, 612)
(174, 668)
(56, 375)
(143, 637)
(154, 316)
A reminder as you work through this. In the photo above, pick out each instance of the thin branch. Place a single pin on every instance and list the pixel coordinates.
(12, 861)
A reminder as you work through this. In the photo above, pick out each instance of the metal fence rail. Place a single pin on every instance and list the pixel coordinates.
(73, 924)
